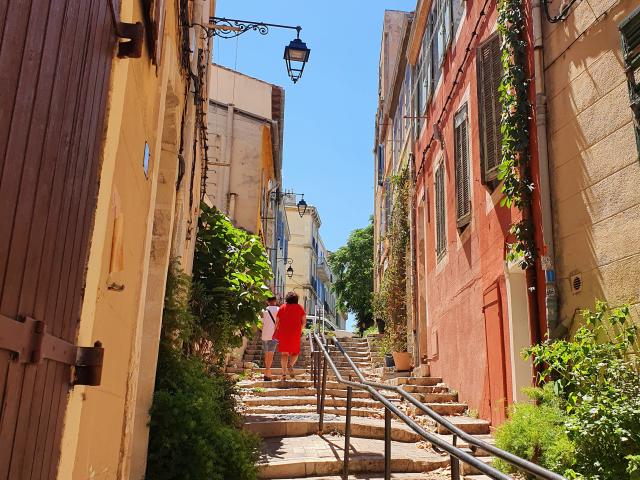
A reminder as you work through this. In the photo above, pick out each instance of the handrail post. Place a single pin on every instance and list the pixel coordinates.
(347, 433)
(455, 463)
(387, 444)
(318, 361)
(313, 363)
(322, 395)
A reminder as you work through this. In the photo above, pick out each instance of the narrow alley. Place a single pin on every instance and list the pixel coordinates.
(387, 239)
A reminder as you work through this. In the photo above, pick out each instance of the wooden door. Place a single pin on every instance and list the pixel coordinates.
(55, 62)
(496, 357)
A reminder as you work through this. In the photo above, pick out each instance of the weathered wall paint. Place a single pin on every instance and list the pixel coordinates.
(593, 159)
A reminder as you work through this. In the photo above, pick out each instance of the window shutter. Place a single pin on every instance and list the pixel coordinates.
(630, 30)
(463, 186)
(380, 165)
(154, 11)
(441, 236)
(489, 77)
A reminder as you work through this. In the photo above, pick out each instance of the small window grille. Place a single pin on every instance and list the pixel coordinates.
(630, 30)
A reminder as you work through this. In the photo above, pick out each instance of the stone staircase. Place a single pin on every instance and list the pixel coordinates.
(285, 415)
(253, 359)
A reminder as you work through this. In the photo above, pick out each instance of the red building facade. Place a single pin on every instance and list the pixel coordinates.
(473, 311)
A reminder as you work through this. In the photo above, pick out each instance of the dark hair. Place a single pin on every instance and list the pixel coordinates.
(271, 299)
(292, 297)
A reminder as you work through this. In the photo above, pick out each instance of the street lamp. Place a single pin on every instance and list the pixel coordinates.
(302, 206)
(290, 272)
(296, 54)
(276, 196)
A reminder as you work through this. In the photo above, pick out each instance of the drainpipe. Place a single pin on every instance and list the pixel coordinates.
(551, 289)
(228, 150)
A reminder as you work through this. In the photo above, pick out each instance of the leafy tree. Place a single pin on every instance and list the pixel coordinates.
(352, 265)
(230, 274)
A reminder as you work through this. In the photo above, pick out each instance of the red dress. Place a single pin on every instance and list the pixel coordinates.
(291, 317)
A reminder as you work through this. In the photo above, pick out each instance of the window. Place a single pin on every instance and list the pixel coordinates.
(463, 184)
(489, 77)
(458, 10)
(380, 165)
(630, 30)
(441, 220)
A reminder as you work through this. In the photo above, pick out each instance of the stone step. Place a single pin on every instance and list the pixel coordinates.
(469, 470)
(418, 381)
(302, 424)
(302, 409)
(472, 426)
(300, 457)
(441, 409)
(282, 401)
(436, 397)
(275, 371)
(426, 389)
(338, 391)
(394, 476)
(268, 426)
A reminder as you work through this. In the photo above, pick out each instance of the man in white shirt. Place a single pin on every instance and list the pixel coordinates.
(268, 343)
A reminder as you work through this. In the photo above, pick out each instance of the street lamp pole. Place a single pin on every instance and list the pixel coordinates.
(296, 54)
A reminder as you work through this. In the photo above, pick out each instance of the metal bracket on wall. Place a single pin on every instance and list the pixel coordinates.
(134, 34)
(30, 342)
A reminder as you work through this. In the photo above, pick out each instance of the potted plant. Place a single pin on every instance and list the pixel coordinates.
(397, 291)
(386, 350)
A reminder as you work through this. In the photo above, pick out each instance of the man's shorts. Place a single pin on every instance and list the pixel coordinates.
(269, 345)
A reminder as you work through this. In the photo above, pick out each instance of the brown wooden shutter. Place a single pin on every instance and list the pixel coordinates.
(630, 30)
(441, 236)
(154, 12)
(463, 187)
(489, 77)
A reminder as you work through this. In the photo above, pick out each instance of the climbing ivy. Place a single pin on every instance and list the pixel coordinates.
(514, 169)
(391, 302)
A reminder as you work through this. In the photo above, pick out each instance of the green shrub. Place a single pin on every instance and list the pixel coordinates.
(195, 430)
(595, 377)
(536, 433)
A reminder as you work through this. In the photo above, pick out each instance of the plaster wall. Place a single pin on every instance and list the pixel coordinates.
(244, 92)
(594, 164)
(300, 251)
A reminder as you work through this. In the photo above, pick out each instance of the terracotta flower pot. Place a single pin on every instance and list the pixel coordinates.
(402, 361)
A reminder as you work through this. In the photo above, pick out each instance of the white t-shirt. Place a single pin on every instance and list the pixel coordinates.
(268, 325)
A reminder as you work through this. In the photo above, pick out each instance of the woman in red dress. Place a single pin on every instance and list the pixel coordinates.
(289, 322)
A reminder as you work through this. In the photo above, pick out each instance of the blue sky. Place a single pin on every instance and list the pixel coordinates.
(329, 113)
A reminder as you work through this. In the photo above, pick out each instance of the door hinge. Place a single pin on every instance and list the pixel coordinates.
(30, 342)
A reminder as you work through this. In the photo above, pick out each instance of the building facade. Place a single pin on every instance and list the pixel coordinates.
(591, 88)
(471, 313)
(311, 276)
(122, 153)
(244, 178)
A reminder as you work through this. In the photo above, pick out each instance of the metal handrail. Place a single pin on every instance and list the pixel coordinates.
(508, 457)
(455, 453)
